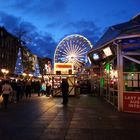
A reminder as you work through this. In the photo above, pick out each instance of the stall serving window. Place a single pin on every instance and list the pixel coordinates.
(131, 76)
(132, 81)
(131, 66)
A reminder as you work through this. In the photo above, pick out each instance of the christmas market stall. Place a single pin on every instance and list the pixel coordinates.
(116, 66)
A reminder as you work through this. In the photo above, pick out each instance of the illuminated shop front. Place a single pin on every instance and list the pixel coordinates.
(62, 71)
(63, 68)
(116, 66)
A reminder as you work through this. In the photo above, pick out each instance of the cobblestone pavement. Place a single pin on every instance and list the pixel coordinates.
(84, 118)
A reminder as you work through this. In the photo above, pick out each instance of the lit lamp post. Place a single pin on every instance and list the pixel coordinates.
(40, 76)
(30, 75)
(24, 75)
(5, 72)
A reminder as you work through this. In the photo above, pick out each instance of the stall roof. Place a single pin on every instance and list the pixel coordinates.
(131, 27)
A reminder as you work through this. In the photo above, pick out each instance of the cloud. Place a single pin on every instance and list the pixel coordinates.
(53, 9)
(49, 8)
(42, 45)
(16, 25)
(86, 28)
(46, 44)
(8, 21)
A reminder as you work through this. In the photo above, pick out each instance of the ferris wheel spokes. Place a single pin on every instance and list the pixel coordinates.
(72, 49)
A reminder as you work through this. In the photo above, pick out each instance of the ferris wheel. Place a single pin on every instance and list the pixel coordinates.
(73, 49)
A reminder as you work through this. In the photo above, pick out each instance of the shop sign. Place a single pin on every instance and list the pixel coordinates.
(131, 102)
(65, 68)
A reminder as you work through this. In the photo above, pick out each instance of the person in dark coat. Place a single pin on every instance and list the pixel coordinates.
(38, 87)
(28, 89)
(14, 87)
(48, 89)
(65, 90)
(19, 92)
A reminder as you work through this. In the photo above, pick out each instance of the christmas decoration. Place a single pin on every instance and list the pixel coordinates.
(36, 68)
(19, 65)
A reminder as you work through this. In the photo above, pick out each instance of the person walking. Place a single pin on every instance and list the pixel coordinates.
(14, 92)
(28, 89)
(6, 90)
(48, 89)
(65, 90)
(38, 87)
(77, 89)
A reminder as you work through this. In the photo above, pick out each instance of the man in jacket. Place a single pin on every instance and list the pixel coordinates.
(65, 90)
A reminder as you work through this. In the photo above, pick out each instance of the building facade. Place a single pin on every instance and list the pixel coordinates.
(15, 55)
(9, 47)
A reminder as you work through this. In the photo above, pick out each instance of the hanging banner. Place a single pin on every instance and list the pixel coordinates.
(131, 102)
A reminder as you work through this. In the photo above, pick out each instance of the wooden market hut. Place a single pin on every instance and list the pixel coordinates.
(116, 65)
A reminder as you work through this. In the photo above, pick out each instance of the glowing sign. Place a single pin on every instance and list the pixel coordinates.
(63, 67)
(107, 51)
(131, 102)
(95, 56)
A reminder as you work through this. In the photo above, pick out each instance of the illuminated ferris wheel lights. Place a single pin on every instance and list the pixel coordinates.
(71, 58)
(73, 49)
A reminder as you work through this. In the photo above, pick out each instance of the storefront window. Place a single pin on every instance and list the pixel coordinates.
(132, 81)
(131, 76)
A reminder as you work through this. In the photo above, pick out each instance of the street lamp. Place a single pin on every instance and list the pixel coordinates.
(30, 75)
(24, 75)
(5, 72)
(40, 76)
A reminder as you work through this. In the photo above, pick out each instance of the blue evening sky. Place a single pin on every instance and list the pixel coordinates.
(46, 22)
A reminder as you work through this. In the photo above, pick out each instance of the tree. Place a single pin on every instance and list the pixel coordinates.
(36, 68)
(19, 65)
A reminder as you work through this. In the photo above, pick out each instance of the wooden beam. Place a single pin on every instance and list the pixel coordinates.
(131, 59)
(131, 53)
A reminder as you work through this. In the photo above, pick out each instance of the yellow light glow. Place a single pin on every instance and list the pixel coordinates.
(4, 71)
(113, 74)
(39, 76)
(30, 75)
(63, 67)
(24, 74)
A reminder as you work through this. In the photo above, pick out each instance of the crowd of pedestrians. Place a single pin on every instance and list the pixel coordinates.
(15, 90)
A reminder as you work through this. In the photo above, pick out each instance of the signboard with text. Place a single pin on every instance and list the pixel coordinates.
(65, 68)
(131, 102)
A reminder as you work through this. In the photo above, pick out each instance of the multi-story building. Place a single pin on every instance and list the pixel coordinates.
(9, 46)
(9, 54)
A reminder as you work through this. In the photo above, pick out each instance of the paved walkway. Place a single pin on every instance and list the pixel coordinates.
(84, 118)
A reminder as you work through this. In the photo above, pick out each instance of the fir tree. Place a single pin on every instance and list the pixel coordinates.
(19, 66)
(37, 69)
